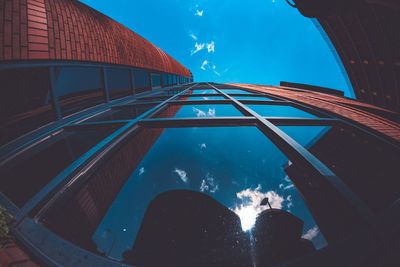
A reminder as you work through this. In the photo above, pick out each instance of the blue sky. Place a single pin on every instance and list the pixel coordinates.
(253, 41)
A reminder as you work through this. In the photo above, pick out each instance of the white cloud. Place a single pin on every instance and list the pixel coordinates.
(209, 184)
(199, 112)
(204, 64)
(182, 174)
(289, 187)
(141, 171)
(194, 37)
(289, 199)
(250, 207)
(210, 47)
(311, 233)
(203, 146)
(197, 47)
(199, 13)
(211, 112)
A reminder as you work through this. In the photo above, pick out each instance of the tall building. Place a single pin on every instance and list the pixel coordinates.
(111, 155)
(365, 36)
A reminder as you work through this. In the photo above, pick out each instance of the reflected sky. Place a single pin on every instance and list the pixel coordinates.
(203, 91)
(206, 98)
(252, 97)
(283, 111)
(238, 172)
(203, 110)
(235, 91)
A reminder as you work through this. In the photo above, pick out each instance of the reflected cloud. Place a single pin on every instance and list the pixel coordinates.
(199, 13)
(141, 171)
(250, 207)
(182, 174)
(289, 200)
(200, 113)
(194, 37)
(209, 184)
(311, 233)
(203, 146)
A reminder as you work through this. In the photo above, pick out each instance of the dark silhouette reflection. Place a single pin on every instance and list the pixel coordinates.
(187, 228)
(276, 237)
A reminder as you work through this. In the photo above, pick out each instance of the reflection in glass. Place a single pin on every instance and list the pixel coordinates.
(25, 102)
(206, 98)
(235, 91)
(283, 111)
(252, 98)
(155, 80)
(201, 110)
(119, 82)
(125, 113)
(369, 166)
(237, 172)
(78, 88)
(142, 80)
(205, 91)
(24, 176)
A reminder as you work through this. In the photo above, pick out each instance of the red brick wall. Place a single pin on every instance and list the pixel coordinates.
(335, 105)
(70, 30)
(12, 255)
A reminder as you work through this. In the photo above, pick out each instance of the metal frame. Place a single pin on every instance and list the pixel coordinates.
(78, 172)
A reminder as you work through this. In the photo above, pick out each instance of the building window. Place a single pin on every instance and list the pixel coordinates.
(155, 80)
(142, 82)
(25, 102)
(22, 178)
(164, 79)
(118, 82)
(78, 88)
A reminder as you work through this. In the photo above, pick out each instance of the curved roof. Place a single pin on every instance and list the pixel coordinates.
(70, 30)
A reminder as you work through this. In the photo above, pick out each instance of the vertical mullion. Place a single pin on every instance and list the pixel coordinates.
(105, 84)
(293, 149)
(53, 92)
(132, 80)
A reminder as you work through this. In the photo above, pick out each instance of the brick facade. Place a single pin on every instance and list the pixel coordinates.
(336, 105)
(70, 30)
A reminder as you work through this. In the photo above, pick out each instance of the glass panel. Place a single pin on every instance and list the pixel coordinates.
(201, 110)
(126, 113)
(24, 176)
(205, 91)
(119, 83)
(141, 78)
(232, 173)
(283, 111)
(164, 77)
(78, 88)
(252, 98)
(205, 98)
(235, 91)
(370, 167)
(25, 102)
(155, 80)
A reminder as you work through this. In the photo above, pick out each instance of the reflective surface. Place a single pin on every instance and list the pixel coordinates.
(237, 172)
(252, 98)
(235, 91)
(202, 110)
(25, 102)
(280, 111)
(203, 91)
(126, 113)
(205, 98)
(370, 167)
(24, 176)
